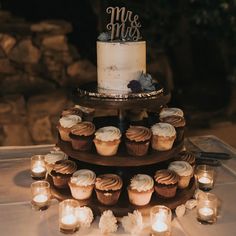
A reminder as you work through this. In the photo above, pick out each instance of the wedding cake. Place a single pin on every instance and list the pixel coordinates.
(121, 55)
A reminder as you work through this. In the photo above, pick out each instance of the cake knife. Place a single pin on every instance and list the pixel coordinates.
(214, 155)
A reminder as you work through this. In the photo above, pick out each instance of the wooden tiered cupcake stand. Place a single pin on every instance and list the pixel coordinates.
(123, 164)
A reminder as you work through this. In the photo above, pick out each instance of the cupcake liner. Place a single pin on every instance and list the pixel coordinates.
(139, 198)
(137, 148)
(64, 133)
(108, 198)
(81, 192)
(61, 181)
(184, 181)
(81, 143)
(108, 148)
(161, 143)
(165, 191)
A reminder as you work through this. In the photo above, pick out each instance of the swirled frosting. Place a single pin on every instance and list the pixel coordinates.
(138, 133)
(108, 182)
(84, 128)
(72, 111)
(53, 157)
(182, 168)
(65, 167)
(163, 129)
(166, 177)
(186, 156)
(171, 111)
(108, 133)
(83, 177)
(176, 121)
(69, 120)
(141, 182)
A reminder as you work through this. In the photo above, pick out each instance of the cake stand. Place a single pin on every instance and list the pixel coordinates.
(122, 163)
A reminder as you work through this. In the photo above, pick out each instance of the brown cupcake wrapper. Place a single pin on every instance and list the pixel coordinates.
(165, 191)
(108, 198)
(137, 148)
(82, 143)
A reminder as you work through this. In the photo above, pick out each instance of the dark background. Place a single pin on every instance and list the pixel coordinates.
(197, 36)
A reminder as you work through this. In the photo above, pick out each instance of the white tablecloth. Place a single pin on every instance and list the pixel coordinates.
(17, 217)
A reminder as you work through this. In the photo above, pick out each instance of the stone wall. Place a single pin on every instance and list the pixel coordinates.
(37, 65)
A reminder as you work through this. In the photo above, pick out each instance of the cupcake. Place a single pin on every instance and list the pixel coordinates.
(82, 135)
(62, 172)
(65, 124)
(107, 140)
(170, 111)
(137, 140)
(51, 158)
(87, 112)
(178, 122)
(163, 136)
(140, 189)
(82, 183)
(166, 182)
(188, 157)
(184, 170)
(108, 188)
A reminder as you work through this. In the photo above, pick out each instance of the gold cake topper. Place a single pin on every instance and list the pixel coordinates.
(123, 24)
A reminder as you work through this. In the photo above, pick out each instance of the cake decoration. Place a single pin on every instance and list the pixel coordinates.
(108, 222)
(180, 210)
(133, 223)
(85, 216)
(123, 25)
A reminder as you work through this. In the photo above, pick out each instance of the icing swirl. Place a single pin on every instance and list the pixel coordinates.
(141, 182)
(171, 111)
(176, 121)
(65, 167)
(108, 182)
(51, 158)
(182, 168)
(69, 120)
(72, 111)
(108, 133)
(163, 129)
(138, 133)
(84, 128)
(186, 156)
(83, 177)
(166, 177)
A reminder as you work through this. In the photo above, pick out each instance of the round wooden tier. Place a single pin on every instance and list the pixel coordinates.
(122, 159)
(88, 96)
(124, 206)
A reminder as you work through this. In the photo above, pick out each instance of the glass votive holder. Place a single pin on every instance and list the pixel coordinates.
(38, 168)
(41, 195)
(207, 208)
(68, 220)
(160, 221)
(205, 177)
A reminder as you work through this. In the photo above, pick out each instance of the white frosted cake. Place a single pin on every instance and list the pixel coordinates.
(118, 63)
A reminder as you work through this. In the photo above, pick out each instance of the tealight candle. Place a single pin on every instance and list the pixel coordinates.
(38, 168)
(160, 221)
(68, 221)
(205, 177)
(207, 208)
(40, 195)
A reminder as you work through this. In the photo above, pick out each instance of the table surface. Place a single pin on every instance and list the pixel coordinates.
(17, 217)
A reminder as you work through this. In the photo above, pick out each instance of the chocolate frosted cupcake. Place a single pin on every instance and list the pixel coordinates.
(65, 124)
(163, 136)
(166, 182)
(82, 135)
(137, 140)
(184, 170)
(82, 184)
(61, 173)
(72, 111)
(108, 188)
(186, 156)
(107, 140)
(140, 189)
(178, 122)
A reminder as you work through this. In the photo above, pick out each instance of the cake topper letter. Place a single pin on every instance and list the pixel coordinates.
(123, 24)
